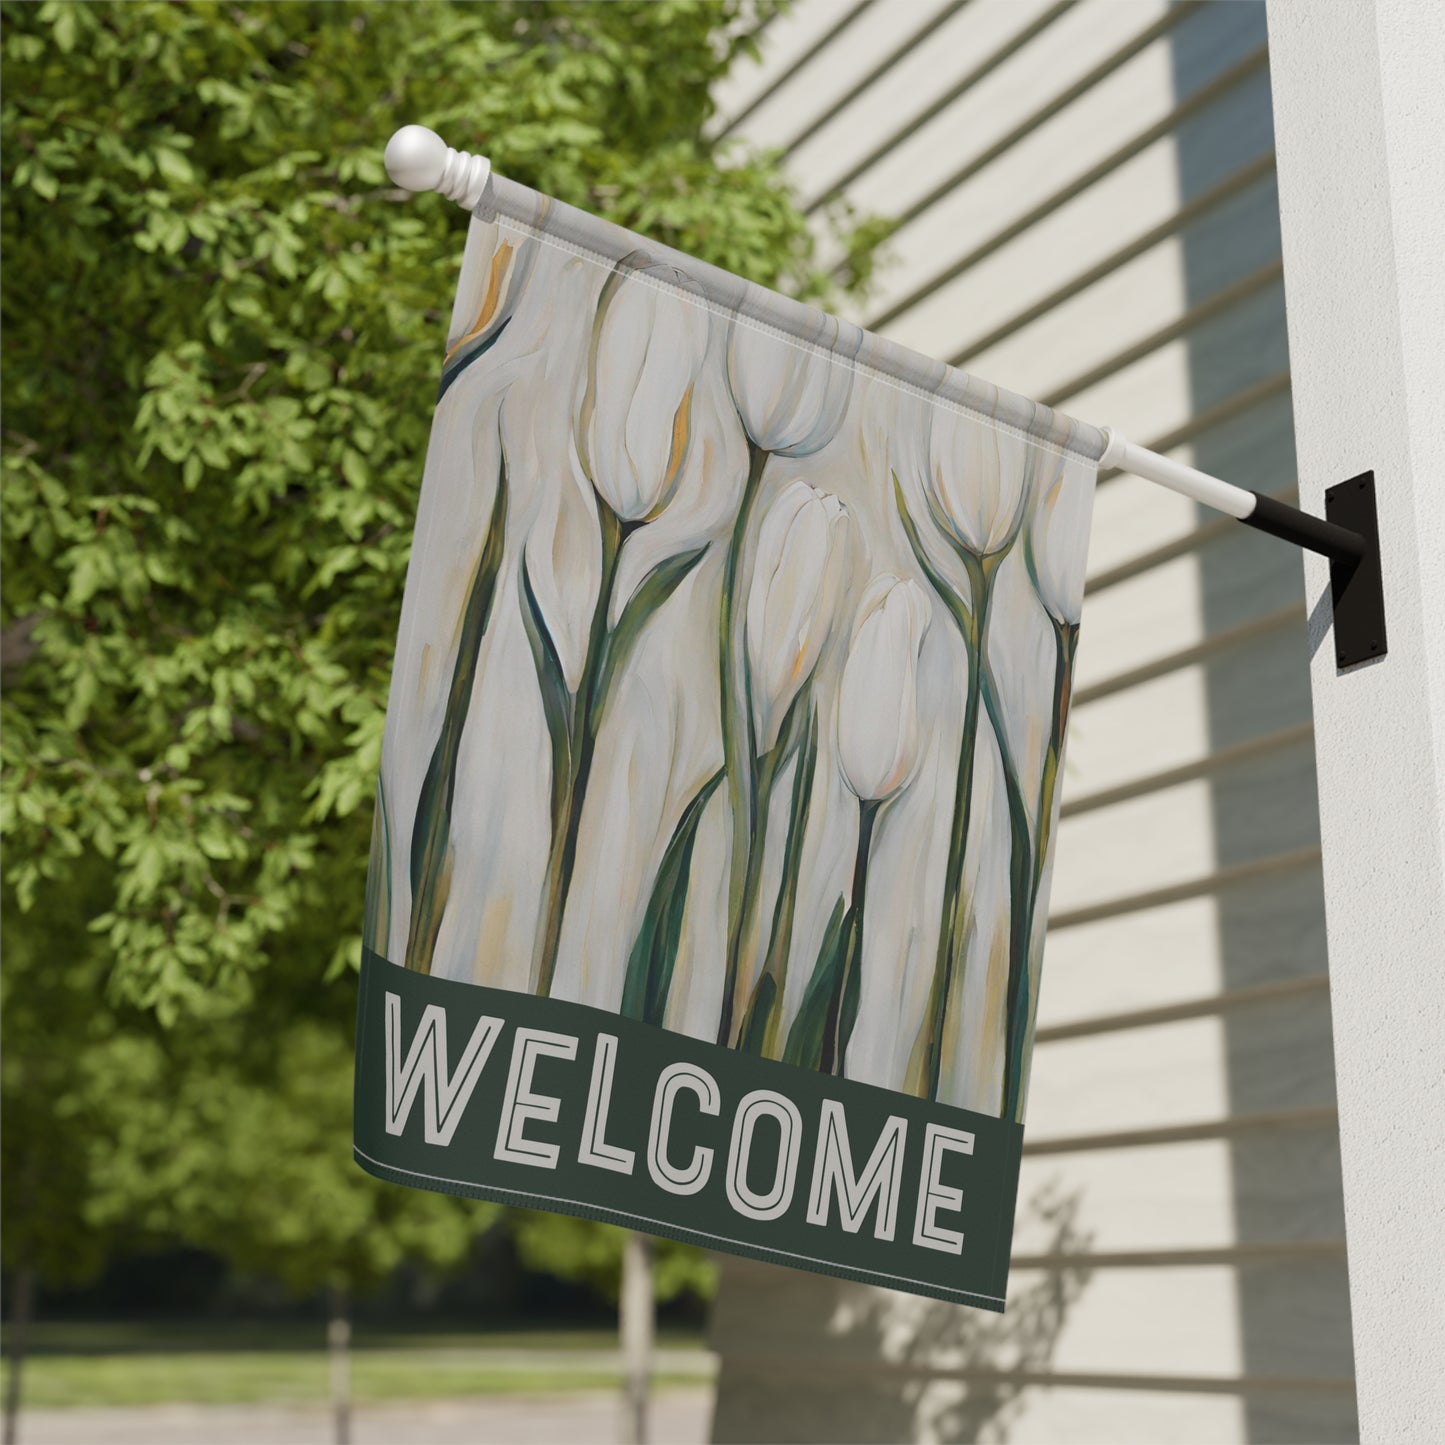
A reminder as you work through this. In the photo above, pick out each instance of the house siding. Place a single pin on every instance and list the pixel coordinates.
(1094, 222)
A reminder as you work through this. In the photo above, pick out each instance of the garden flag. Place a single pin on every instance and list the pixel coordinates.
(721, 767)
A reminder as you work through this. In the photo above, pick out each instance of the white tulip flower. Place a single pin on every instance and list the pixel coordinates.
(797, 579)
(878, 696)
(1056, 544)
(791, 399)
(978, 481)
(634, 422)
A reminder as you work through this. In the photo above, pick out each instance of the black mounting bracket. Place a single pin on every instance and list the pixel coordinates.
(1357, 588)
(1349, 535)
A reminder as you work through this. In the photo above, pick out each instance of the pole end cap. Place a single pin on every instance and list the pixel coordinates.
(415, 158)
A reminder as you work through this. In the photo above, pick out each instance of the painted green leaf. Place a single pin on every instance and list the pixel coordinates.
(852, 990)
(462, 362)
(654, 952)
(947, 594)
(655, 589)
(556, 700)
(806, 1037)
(377, 912)
(430, 847)
(752, 1036)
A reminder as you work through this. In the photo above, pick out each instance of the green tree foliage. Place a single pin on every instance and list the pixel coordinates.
(222, 329)
(578, 1249)
(222, 332)
(121, 1133)
(56, 1039)
(246, 1152)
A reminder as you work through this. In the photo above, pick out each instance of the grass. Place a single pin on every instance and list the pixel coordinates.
(166, 1336)
(105, 1365)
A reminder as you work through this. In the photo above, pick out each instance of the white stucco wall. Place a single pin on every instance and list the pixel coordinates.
(1359, 120)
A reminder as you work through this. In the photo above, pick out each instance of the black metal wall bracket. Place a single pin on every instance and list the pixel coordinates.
(1357, 589)
(1349, 535)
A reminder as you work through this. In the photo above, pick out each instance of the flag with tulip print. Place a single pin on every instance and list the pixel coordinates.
(721, 768)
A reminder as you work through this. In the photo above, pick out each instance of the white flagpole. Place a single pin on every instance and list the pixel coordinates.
(1252, 508)
(418, 159)
(1120, 452)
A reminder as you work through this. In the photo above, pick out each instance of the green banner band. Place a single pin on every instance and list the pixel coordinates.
(548, 1104)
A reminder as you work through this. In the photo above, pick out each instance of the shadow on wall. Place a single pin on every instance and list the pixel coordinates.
(1293, 1303)
(916, 1369)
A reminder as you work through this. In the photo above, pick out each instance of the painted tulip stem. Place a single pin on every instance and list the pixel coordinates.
(949, 961)
(926, 1068)
(586, 709)
(1020, 894)
(843, 1006)
(1024, 1004)
(431, 835)
(744, 941)
(739, 748)
(1066, 643)
(761, 1026)
(1021, 865)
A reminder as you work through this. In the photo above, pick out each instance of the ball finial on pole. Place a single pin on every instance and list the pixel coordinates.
(418, 159)
(415, 158)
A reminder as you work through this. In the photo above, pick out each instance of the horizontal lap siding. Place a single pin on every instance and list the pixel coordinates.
(1101, 232)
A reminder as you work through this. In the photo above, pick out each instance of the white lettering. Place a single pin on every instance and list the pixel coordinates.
(833, 1174)
(764, 1103)
(595, 1149)
(938, 1140)
(673, 1079)
(521, 1104)
(444, 1095)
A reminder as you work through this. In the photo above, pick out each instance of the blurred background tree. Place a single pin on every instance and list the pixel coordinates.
(222, 329)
